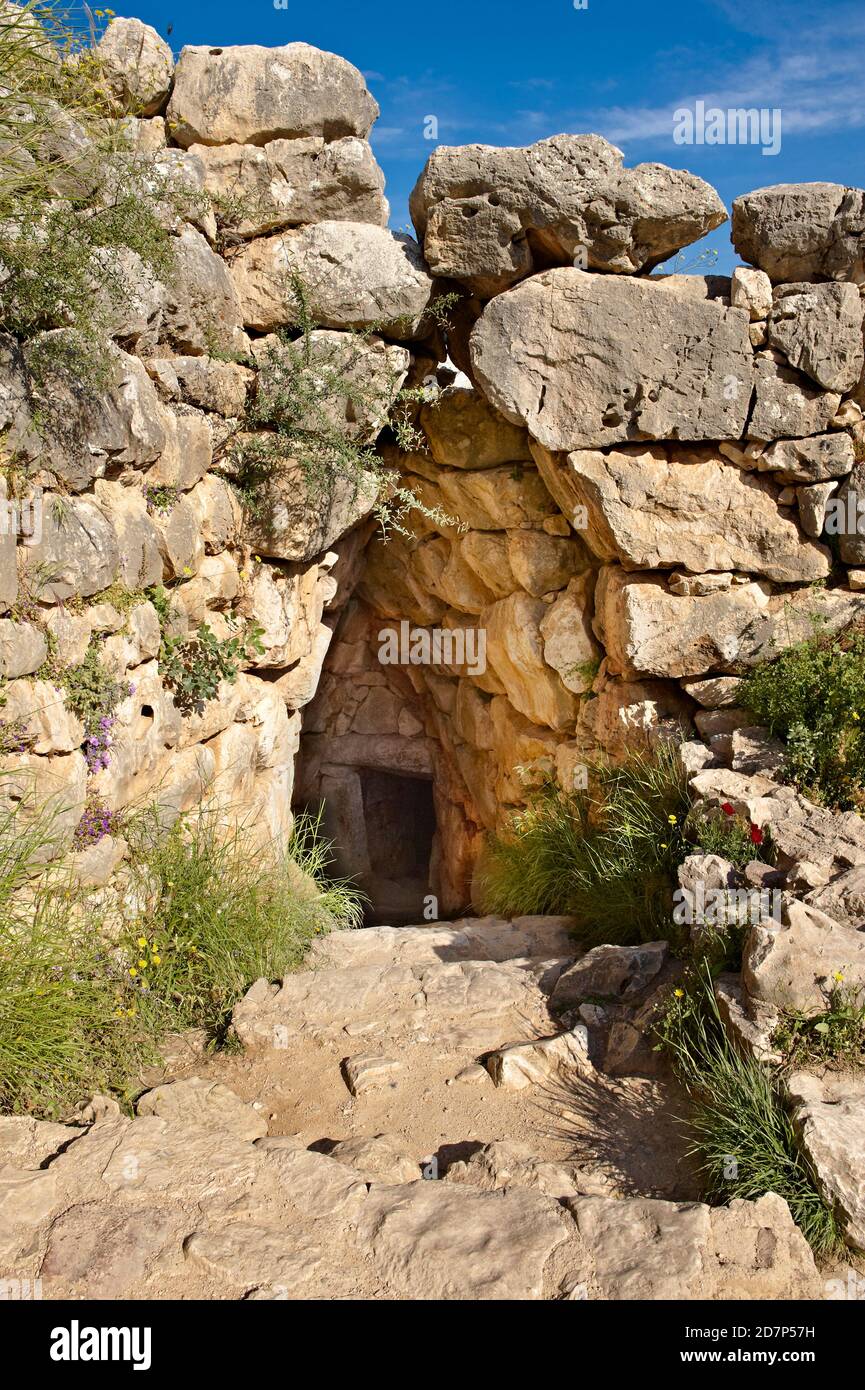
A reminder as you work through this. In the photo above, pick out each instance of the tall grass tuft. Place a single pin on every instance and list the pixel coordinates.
(220, 915)
(68, 1019)
(606, 856)
(742, 1134)
(83, 1005)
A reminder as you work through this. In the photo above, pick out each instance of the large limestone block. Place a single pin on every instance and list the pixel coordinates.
(77, 554)
(515, 650)
(196, 1101)
(794, 966)
(289, 183)
(202, 313)
(485, 213)
(206, 382)
(829, 1116)
(248, 94)
(641, 1248)
(566, 628)
(355, 276)
(786, 404)
(436, 1241)
(490, 499)
(23, 648)
(624, 715)
(819, 330)
(819, 459)
(297, 519)
(802, 231)
(83, 433)
(851, 541)
(137, 537)
(647, 630)
(137, 64)
(588, 360)
(51, 790)
(543, 564)
(650, 511)
(464, 431)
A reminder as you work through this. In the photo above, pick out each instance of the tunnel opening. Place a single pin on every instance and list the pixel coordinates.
(400, 822)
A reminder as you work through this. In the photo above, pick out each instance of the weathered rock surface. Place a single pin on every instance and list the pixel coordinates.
(590, 360)
(287, 183)
(252, 95)
(649, 631)
(484, 214)
(819, 330)
(356, 276)
(138, 65)
(652, 512)
(795, 966)
(829, 1116)
(802, 231)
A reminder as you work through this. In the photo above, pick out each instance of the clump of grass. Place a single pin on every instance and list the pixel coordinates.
(813, 697)
(835, 1036)
(220, 917)
(606, 856)
(743, 1137)
(68, 1017)
(83, 1005)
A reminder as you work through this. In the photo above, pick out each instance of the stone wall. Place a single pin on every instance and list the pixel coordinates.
(626, 481)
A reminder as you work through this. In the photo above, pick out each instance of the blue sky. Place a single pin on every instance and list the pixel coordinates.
(508, 73)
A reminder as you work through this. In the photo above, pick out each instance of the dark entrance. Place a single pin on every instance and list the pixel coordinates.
(400, 822)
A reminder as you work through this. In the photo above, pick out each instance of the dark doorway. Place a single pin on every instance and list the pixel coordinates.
(399, 815)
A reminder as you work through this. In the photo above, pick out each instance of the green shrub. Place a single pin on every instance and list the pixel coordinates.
(193, 667)
(220, 917)
(742, 1135)
(606, 856)
(308, 389)
(813, 697)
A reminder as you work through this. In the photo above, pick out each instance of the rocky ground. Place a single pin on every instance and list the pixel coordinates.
(408, 1119)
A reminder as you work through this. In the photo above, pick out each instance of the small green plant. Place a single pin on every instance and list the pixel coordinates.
(813, 697)
(742, 1135)
(732, 836)
(92, 692)
(606, 856)
(836, 1035)
(193, 667)
(220, 917)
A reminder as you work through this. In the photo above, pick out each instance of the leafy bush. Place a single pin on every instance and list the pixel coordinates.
(71, 189)
(193, 667)
(606, 856)
(307, 389)
(743, 1135)
(813, 697)
(219, 917)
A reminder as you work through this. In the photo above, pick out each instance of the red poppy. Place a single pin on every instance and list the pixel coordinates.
(727, 808)
(756, 835)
